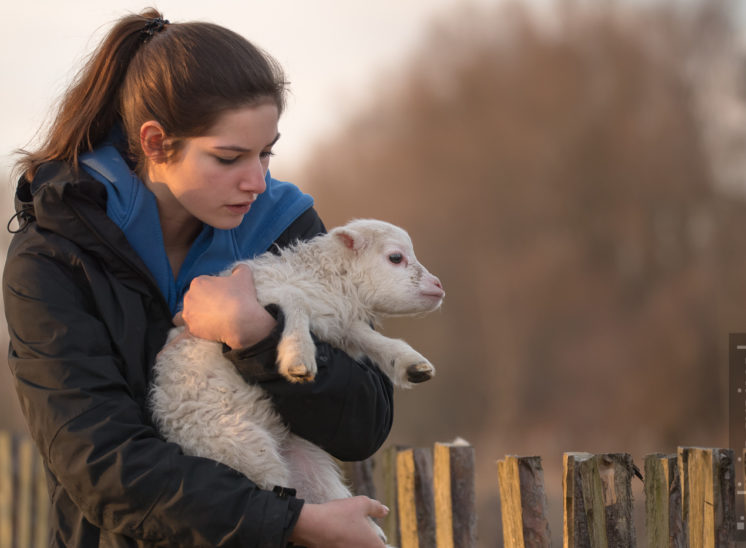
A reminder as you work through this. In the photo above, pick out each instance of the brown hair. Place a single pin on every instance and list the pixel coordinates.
(183, 75)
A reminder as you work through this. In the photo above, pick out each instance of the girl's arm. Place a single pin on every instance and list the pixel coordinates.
(87, 417)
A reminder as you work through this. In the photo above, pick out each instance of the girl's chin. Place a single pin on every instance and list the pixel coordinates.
(224, 222)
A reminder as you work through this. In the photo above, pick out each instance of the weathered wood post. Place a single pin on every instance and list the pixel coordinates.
(708, 496)
(574, 527)
(598, 501)
(24, 501)
(663, 518)
(6, 490)
(523, 502)
(24, 517)
(42, 503)
(725, 479)
(359, 474)
(455, 500)
(414, 482)
(390, 524)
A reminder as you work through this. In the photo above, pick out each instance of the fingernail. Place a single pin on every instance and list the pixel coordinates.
(385, 508)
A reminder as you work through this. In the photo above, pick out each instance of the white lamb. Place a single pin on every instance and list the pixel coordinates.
(336, 285)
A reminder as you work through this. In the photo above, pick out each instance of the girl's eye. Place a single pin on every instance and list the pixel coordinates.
(267, 154)
(226, 161)
(396, 258)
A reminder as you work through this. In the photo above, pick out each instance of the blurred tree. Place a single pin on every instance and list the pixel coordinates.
(558, 176)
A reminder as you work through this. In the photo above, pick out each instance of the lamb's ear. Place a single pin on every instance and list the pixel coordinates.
(351, 239)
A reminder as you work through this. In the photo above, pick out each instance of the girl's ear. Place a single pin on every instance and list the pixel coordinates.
(152, 141)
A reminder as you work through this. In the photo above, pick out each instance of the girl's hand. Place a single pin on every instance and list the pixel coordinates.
(339, 524)
(225, 309)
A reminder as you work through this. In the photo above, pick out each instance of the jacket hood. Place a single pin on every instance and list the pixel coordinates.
(73, 205)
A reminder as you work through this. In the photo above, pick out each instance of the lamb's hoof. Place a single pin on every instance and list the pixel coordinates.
(299, 373)
(420, 372)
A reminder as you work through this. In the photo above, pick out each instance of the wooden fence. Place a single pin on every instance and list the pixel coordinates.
(689, 497)
(24, 500)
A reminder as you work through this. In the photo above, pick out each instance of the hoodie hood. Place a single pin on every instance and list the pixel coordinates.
(106, 210)
(133, 208)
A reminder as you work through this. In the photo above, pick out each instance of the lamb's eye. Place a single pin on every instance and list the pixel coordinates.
(395, 258)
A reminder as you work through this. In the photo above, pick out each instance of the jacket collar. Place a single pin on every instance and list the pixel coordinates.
(73, 205)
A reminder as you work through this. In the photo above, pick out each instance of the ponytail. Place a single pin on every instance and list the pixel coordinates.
(181, 75)
(90, 107)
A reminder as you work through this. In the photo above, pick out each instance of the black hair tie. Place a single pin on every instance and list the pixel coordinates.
(152, 27)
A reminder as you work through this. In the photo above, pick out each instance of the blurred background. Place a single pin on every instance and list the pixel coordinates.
(573, 171)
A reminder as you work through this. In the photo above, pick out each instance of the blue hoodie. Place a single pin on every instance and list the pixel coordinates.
(132, 206)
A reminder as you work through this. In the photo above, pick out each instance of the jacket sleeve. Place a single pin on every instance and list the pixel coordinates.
(95, 438)
(348, 409)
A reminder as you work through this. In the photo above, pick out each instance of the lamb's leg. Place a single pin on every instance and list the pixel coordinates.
(296, 353)
(402, 363)
(313, 472)
(262, 463)
(315, 475)
(199, 401)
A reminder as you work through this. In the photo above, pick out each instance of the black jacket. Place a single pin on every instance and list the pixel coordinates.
(86, 320)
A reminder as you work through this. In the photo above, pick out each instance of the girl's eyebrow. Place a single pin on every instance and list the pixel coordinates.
(237, 148)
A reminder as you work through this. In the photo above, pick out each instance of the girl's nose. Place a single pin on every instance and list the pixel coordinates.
(253, 178)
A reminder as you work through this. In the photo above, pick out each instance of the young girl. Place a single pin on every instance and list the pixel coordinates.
(153, 175)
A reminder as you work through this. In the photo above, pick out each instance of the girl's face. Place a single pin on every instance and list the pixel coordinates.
(214, 178)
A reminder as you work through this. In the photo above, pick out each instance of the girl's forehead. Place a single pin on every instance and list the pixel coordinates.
(246, 124)
(241, 117)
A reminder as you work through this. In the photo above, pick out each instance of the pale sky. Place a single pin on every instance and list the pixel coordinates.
(331, 51)
(334, 53)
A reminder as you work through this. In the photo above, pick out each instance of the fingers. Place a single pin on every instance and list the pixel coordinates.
(243, 272)
(241, 280)
(376, 509)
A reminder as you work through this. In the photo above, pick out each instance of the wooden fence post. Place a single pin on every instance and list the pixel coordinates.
(708, 496)
(390, 523)
(24, 508)
(663, 522)
(455, 501)
(42, 504)
(24, 501)
(598, 501)
(359, 474)
(575, 530)
(6, 490)
(524, 503)
(414, 479)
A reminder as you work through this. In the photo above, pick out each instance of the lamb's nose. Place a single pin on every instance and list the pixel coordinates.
(438, 287)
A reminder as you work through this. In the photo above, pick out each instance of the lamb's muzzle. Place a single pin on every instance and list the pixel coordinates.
(432, 288)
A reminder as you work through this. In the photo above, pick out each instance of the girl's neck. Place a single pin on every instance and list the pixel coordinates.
(179, 227)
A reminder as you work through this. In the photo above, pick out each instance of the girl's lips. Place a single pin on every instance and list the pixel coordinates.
(239, 209)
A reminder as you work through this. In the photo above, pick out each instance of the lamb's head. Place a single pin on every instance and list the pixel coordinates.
(390, 280)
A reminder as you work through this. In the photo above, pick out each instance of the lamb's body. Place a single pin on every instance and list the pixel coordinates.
(307, 276)
(336, 286)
